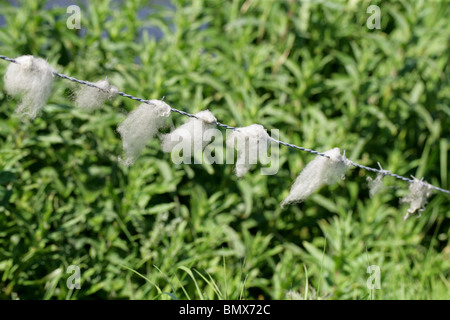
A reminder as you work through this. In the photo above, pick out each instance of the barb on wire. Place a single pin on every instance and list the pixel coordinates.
(123, 94)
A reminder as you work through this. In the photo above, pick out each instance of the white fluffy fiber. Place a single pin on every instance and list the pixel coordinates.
(419, 192)
(247, 140)
(140, 126)
(31, 78)
(91, 98)
(189, 136)
(317, 173)
(375, 185)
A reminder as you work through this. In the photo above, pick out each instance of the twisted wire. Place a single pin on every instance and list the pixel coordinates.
(290, 145)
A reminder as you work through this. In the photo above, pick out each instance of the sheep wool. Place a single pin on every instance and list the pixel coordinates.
(375, 185)
(249, 142)
(419, 192)
(189, 136)
(140, 126)
(91, 98)
(31, 78)
(317, 173)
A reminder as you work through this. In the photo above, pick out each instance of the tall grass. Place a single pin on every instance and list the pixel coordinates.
(159, 231)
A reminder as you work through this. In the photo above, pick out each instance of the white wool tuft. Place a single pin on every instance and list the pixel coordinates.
(189, 136)
(248, 140)
(32, 79)
(91, 98)
(317, 173)
(140, 126)
(419, 192)
(375, 185)
(206, 116)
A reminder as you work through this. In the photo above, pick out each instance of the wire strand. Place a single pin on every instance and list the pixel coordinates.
(126, 95)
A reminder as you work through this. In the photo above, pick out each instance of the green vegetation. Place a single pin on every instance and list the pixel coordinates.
(157, 230)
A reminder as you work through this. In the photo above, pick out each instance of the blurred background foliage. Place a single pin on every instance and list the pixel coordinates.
(311, 69)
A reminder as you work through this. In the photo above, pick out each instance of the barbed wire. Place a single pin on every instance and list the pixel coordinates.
(184, 113)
